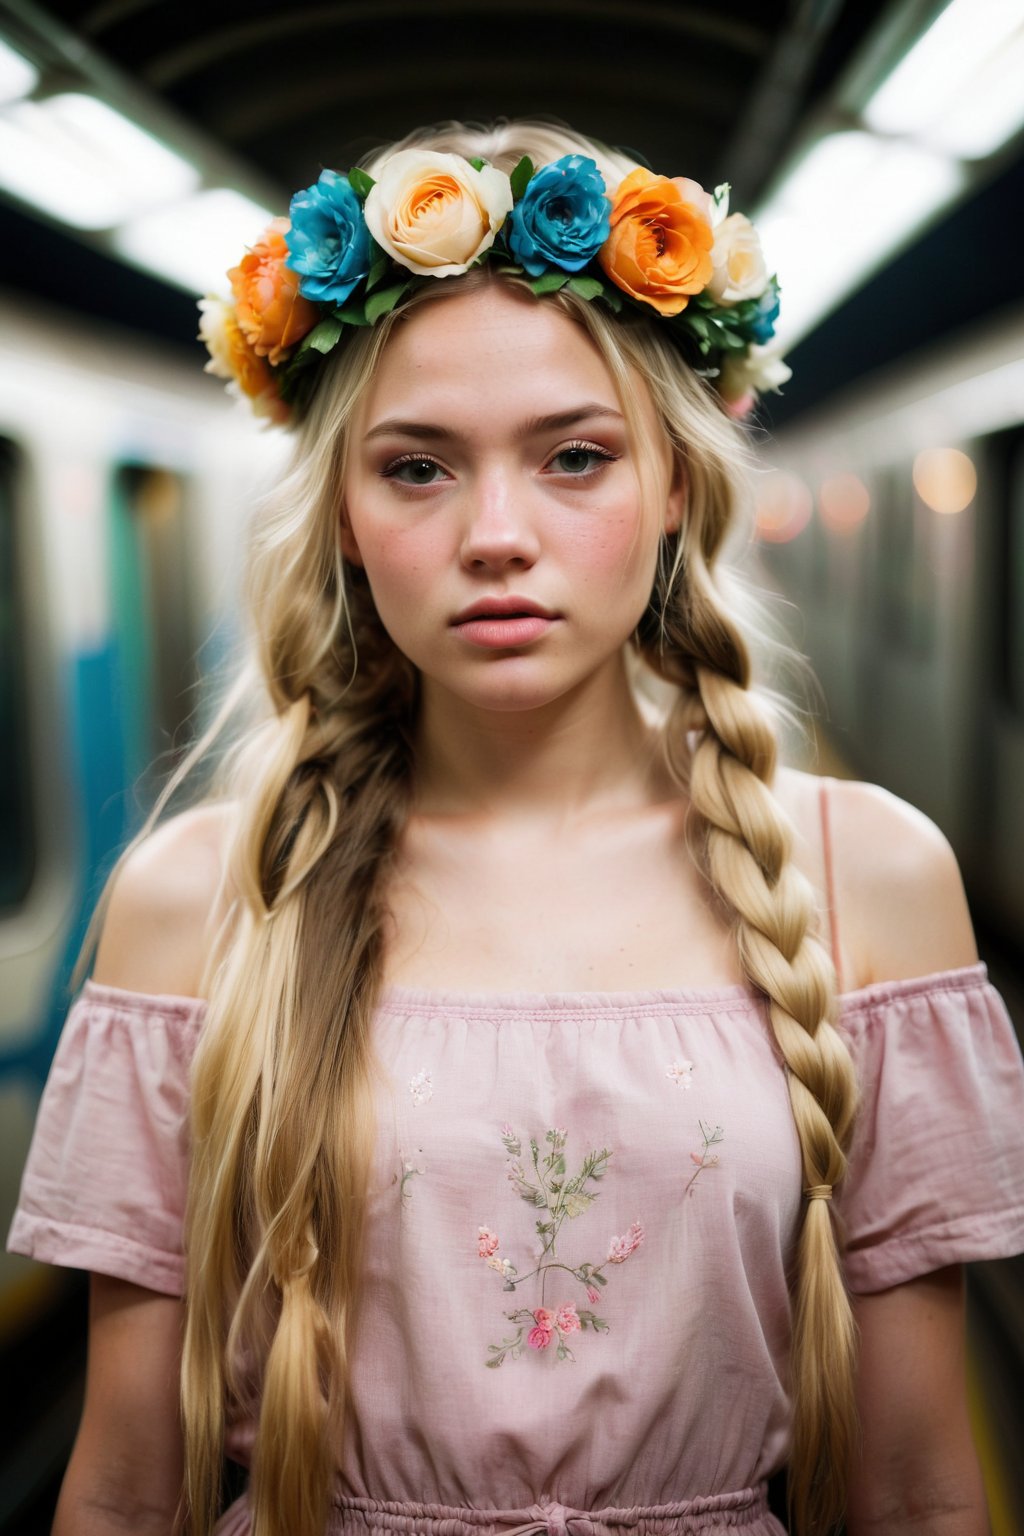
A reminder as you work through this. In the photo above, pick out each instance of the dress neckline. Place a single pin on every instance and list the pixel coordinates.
(412, 999)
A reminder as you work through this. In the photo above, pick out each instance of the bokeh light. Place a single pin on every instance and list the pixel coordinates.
(945, 479)
(843, 502)
(783, 507)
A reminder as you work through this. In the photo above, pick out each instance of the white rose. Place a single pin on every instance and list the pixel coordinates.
(758, 370)
(740, 272)
(434, 213)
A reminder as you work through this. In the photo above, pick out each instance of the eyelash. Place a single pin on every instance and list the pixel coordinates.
(390, 471)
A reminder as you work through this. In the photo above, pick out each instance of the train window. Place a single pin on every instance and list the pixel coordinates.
(17, 836)
(153, 603)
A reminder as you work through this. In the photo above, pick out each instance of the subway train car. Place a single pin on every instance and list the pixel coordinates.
(125, 477)
(893, 519)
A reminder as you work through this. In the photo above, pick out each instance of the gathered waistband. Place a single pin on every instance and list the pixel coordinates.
(745, 1509)
(684, 1517)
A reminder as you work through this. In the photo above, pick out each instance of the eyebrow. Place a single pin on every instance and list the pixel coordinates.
(425, 431)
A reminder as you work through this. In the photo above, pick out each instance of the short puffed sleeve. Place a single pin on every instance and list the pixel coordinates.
(936, 1172)
(105, 1182)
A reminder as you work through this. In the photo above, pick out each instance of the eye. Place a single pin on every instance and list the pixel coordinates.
(413, 469)
(578, 459)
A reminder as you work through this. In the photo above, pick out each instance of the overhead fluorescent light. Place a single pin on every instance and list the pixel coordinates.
(988, 111)
(193, 243)
(17, 76)
(849, 203)
(944, 67)
(80, 161)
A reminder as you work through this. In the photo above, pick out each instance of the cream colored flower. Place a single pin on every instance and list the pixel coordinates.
(753, 372)
(740, 272)
(434, 213)
(214, 314)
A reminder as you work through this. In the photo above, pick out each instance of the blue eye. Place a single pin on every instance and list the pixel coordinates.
(420, 471)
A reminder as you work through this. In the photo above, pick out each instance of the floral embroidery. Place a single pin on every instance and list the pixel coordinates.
(546, 1189)
(681, 1073)
(622, 1247)
(410, 1167)
(705, 1158)
(421, 1087)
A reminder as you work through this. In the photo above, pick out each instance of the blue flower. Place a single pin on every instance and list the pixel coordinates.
(328, 242)
(562, 218)
(762, 327)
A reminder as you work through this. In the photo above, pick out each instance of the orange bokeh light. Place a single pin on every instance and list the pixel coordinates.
(945, 479)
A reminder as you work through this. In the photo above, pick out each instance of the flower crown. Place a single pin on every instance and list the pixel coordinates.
(353, 248)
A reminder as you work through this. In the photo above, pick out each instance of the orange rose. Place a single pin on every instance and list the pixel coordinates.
(271, 311)
(232, 357)
(659, 249)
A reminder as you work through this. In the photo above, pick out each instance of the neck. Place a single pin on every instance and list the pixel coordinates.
(545, 769)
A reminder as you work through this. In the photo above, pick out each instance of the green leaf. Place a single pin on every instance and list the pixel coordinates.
(520, 177)
(477, 163)
(587, 287)
(353, 313)
(549, 282)
(323, 337)
(378, 269)
(383, 301)
(360, 183)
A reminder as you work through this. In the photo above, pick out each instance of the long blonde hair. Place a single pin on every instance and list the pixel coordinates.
(320, 783)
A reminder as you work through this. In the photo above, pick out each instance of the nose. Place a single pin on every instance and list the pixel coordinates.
(499, 532)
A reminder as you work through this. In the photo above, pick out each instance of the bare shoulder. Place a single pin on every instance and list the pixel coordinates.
(165, 903)
(899, 892)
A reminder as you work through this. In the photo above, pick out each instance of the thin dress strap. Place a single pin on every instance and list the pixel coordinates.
(826, 843)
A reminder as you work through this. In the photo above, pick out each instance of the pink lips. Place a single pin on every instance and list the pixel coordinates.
(501, 622)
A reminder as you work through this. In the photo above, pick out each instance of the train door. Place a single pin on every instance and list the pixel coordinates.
(154, 625)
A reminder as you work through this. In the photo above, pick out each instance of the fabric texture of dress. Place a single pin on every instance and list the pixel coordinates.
(584, 1206)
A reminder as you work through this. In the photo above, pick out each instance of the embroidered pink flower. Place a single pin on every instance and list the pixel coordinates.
(487, 1242)
(681, 1073)
(593, 1294)
(539, 1338)
(544, 1317)
(566, 1320)
(620, 1248)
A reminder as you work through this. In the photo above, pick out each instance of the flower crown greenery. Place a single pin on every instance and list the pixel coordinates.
(353, 248)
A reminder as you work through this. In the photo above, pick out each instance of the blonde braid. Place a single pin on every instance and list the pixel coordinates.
(745, 849)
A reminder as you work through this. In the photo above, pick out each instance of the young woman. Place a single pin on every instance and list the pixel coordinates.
(488, 1007)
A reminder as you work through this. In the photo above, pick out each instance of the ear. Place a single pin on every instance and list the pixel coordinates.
(347, 540)
(677, 498)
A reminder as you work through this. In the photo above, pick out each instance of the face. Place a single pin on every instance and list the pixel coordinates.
(490, 463)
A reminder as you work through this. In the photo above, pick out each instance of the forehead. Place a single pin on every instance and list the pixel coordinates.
(488, 347)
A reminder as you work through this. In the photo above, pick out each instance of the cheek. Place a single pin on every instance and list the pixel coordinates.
(614, 551)
(399, 563)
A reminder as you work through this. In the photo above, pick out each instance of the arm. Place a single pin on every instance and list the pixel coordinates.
(126, 1467)
(916, 1469)
(125, 1472)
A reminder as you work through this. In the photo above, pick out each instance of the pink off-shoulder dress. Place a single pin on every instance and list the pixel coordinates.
(584, 1206)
